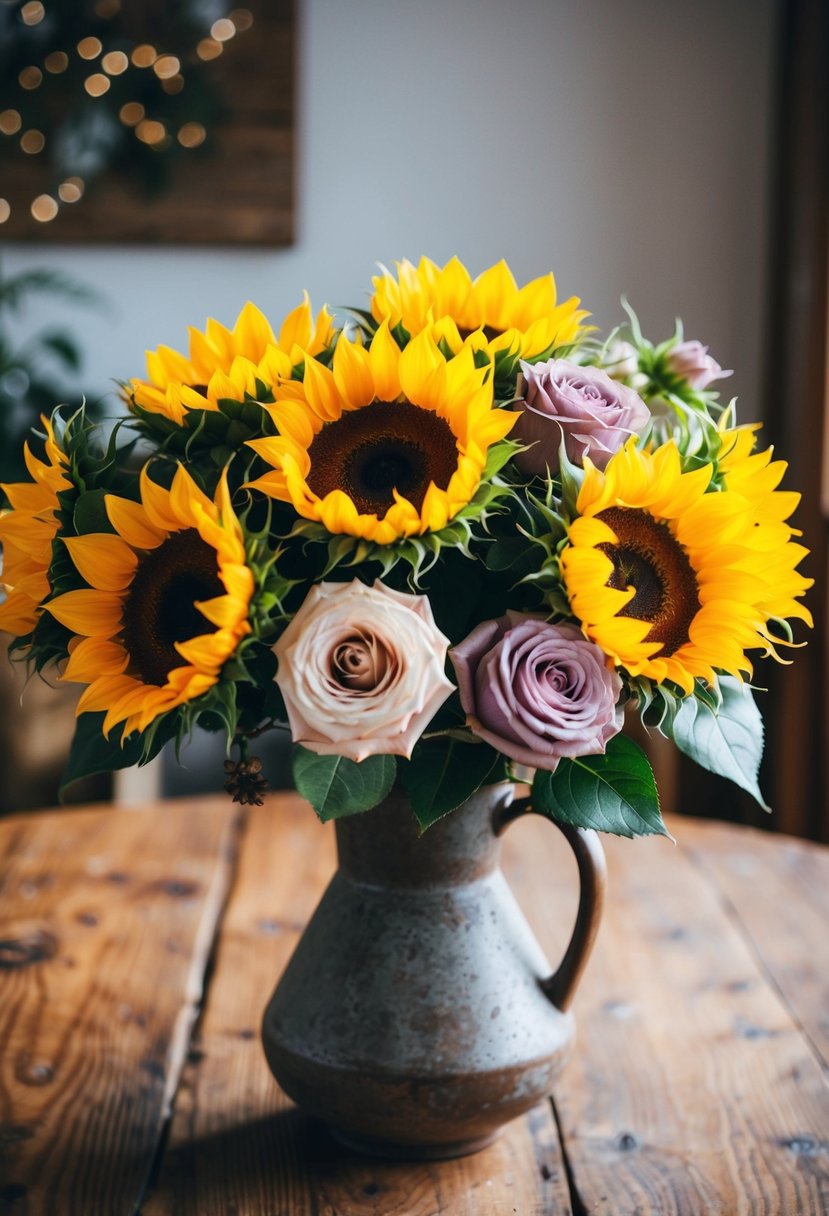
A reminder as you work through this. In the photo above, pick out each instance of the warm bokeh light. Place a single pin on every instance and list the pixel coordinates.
(5, 210)
(107, 8)
(97, 85)
(44, 208)
(32, 13)
(223, 29)
(33, 141)
(191, 135)
(166, 66)
(174, 85)
(30, 78)
(151, 132)
(89, 48)
(10, 122)
(71, 190)
(57, 61)
(144, 56)
(242, 18)
(115, 62)
(209, 48)
(131, 113)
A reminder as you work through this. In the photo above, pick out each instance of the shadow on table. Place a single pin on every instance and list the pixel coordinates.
(276, 1163)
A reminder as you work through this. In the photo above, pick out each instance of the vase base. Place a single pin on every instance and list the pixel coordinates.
(366, 1146)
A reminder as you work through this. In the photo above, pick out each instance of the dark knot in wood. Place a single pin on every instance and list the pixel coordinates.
(35, 946)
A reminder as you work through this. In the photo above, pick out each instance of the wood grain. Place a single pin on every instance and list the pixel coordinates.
(107, 921)
(691, 1089)
(776, 890)
(238, 1145)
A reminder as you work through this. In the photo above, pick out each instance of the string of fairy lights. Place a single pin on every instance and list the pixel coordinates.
(103, 99)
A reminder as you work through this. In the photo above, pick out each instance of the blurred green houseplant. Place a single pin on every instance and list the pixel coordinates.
(35, 370)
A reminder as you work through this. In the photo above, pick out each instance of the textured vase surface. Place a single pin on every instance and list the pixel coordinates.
(418, 1013)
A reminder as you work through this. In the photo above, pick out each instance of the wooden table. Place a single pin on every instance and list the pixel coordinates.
(139, 947)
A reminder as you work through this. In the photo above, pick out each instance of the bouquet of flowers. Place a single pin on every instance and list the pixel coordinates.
(451, 541)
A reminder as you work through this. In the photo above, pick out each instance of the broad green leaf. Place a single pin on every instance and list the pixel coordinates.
(337, 787)
(729, 742)
(91, 753)
(442, 774)
(614, 792)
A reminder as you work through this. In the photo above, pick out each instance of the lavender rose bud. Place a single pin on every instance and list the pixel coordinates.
(594, 415)
(692, 362)
(536, 691)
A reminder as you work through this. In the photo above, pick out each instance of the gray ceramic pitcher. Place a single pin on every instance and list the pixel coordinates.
(418, 1013)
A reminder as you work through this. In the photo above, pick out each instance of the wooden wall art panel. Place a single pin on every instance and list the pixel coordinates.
(232, 185)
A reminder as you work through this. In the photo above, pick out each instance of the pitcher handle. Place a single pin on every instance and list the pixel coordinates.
(560, 987)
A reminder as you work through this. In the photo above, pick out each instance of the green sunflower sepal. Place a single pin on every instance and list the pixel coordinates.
(421, 553)
(216, 434)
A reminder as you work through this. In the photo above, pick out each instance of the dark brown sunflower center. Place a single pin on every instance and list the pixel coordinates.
(386, 446)
(160, 607)
(648, 557)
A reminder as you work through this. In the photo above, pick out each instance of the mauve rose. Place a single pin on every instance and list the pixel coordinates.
(536, 691)
(692, 362)
(361, 670)
(592, 413)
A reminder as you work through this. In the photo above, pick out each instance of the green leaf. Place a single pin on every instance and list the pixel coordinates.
(91, 753)
(613, 793)
(442, 774)
(729, 742)
(337, 787)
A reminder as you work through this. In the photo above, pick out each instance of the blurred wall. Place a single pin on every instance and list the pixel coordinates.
(622, 143)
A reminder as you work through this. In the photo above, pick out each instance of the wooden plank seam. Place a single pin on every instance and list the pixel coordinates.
(732, 912)
(197, 988)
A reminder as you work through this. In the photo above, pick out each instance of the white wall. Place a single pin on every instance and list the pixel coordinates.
(622, 143)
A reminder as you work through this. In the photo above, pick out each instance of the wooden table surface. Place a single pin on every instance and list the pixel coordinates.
(139, 948)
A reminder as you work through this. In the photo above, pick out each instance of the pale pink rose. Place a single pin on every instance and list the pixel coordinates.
(692, 362)
(537, 692)
(593, 414)
(361, 670)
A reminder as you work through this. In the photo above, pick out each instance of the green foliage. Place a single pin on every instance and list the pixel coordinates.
(420, 553)
(208, 440)
(337, 787)
(727, 740)
(33, 372)
(444, 772)
(91, 753)
(614, 792)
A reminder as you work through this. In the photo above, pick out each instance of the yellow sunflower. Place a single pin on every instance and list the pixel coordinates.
(27, 532)
(386, 444)
(526, 321)
(669, 580)
(755, 476)
(226, 363)
(167, 602)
